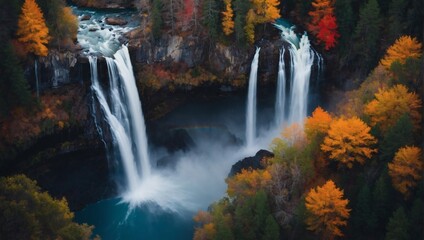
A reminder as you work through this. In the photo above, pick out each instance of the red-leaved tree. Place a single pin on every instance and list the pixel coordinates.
(328, 31)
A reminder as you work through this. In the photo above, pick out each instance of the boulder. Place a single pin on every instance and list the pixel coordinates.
(250, 162)
(115, 21)
(86, 17)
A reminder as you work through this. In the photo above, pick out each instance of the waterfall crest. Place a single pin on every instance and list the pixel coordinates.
(251, 101)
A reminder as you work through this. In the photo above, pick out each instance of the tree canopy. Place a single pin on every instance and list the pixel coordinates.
(32, 29)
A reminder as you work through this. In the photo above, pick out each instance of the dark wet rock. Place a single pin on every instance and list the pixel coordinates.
(172, 140)
(250, 162)
(86, 17)
(115, 21)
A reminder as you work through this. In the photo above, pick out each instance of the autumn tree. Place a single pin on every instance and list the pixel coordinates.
(66, 28)
(32, 30)
(405, 47)
(247, 183)
(28, 213)
(349, 141)
(328, 31)
(327, 210)
(227, 18)
(389, 105)
(317, 123)
(406, 169)
(321, 8)
(262, 11)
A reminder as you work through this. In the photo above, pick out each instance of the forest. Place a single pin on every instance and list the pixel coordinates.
(352, 169)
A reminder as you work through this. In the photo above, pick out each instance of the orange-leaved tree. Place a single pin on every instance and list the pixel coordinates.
(349, 141)
(321, 8)
(227, 18)
(327, 210)
(404, 47)
(32, 29)
(389, 105)
(406, 169)
(247, 183)
(317, 123)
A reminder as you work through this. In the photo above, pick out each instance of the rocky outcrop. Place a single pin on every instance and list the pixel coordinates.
(250, 162)
(115, 21)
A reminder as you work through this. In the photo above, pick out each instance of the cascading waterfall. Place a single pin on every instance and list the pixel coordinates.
(251, 101)
(301, 61)
(280, 100)
(138, 127)
(124, 115)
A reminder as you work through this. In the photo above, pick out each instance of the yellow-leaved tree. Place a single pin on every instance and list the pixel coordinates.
(227, 18)
(406, 169)
(327, 210)
(317, 123)
(247, 183)
(349, 141)
(262, 11)
(389, 105)
(32, 29)
(404, 47)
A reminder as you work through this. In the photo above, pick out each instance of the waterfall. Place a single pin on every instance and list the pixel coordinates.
(120, 137)
(138, 127)
(280, 99)
(302, 59)
(122, 110)
(251, 101)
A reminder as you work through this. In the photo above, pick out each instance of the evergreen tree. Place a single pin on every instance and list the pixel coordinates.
(367, 34)
(397, 9)
(344, 14)
(398, 226)
(401, 134)
(14, 90)
(240, 7)
(363, 217)
(156, 18)
(417, 220)
(211, 17)
(381, 200)
(272, 231)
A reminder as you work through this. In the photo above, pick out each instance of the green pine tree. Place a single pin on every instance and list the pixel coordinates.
(272, 230)
(240, 8)
(14, 90)
(364, 219)
(401, 134)
(367, 34)
(211, 17)
(397, 9)
(417, 220)
(157, 18)
(345, 21)
(398, 226)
